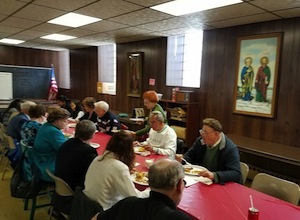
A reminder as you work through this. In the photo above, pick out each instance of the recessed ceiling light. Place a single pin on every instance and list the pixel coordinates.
(11, 41)
(182, 7)
(58, 37)
(73, 20)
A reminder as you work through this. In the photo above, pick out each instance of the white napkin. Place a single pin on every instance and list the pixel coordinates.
(190, 180)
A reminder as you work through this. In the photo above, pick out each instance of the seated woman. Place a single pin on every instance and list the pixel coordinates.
(48, 141)
(64, 102)
(151, 103)
(76, 110)
(28, 133)
(88, 106)
(75, 155)
(108, 177)
(29, 128)
(13, 109)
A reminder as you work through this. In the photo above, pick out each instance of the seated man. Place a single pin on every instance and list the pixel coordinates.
(75, 155)
(162, 138)
(106, 121)
(166, 183)
(216, 152)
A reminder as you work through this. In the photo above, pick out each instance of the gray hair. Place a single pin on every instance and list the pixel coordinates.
(158, 115)
(165, 174)
(85, 130)
(26, 105)
(213, 123)
(103, 105)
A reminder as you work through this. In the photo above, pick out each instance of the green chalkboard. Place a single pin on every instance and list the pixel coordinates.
(29, 82)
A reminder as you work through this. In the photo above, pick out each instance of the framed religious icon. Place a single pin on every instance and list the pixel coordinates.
(255, 90)
(135, 73)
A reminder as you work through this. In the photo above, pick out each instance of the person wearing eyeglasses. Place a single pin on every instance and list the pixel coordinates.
(215, 151)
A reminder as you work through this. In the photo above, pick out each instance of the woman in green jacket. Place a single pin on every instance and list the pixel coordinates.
(151, 103)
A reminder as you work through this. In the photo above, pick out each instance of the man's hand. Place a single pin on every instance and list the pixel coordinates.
(208, 174)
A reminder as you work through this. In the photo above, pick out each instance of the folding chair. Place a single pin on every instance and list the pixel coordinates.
(277, 187)
(245, 171)
(62, 197)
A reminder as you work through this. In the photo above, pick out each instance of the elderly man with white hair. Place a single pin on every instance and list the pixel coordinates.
(106, 120)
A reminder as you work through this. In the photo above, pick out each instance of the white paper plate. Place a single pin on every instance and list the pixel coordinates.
(67, 135)
(72, 125)
(143, 153)
(95, 145)
(194, 171)
(143, 183)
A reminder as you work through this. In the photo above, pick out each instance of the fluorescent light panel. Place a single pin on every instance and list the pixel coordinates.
(11, 41)
(183, 7)
(73, 20)
(58, 37)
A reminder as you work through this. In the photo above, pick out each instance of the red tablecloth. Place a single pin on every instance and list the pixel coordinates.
(219, 202)
(231, 202)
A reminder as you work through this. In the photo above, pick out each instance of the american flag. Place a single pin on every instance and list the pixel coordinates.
(53, 89)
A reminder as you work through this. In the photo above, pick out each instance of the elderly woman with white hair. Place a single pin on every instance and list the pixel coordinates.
(106, 120)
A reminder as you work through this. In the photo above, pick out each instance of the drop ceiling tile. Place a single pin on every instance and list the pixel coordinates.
(2, 17)
(22, 37)
(234, 11)
(102, 26)
(107, 8)
(9, 29)
(244, 20)
(129, 32)
(8, 7)
(67, 5)
(32, 33)
(38, 13)
(78, 32)
(175, 22)
(50, 28)
(289, 13)
(141, 17)
(176, 31)
(148, 3)
(97, 37)
(30, 44)
(272, 5)
(19, 22)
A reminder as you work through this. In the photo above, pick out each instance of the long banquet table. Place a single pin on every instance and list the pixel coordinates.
(220, 202)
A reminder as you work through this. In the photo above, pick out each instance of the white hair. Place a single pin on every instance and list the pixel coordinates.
(103, 105)
(26, 105)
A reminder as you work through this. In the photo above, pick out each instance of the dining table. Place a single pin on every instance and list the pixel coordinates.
(230, 201)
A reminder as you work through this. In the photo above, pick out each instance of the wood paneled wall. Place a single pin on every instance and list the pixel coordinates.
(19, 56)
(217, 79)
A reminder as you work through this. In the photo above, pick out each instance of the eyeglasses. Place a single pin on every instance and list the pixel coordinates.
(203, 132)
(184, 182)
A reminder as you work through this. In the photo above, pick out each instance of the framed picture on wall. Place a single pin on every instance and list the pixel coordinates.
(255, 90)
(135, 73)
